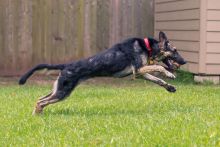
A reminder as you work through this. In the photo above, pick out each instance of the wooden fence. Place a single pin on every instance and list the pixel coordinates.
(58, 31)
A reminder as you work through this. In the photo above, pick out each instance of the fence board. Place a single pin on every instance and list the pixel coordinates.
(56, 31)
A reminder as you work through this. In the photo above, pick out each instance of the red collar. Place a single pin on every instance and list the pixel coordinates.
(148, 46)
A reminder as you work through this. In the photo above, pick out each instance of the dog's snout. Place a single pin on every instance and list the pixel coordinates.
(183, 62)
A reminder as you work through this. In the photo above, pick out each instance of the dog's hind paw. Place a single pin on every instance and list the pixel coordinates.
(171, 88)
(38, 110)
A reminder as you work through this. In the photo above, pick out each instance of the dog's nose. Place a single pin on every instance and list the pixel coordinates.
(184, 62)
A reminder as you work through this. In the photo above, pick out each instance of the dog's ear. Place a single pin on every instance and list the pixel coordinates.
(162, 36)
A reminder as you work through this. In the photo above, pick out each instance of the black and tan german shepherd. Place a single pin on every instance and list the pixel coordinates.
(123, 59)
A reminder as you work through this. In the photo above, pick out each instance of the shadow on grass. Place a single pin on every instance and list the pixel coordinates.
(95, 112)
(154, 108)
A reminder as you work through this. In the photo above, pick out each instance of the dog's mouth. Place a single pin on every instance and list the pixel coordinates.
(177, 65)
(174, 65)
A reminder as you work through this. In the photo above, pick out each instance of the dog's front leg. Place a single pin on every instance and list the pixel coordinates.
(159, 81)
(155, 68)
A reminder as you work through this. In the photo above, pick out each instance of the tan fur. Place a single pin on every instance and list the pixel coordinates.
(155, 68)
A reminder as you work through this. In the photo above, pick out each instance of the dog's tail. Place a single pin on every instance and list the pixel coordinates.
(24, 78)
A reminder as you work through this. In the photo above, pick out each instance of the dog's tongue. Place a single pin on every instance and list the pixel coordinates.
(176, 66)
(173, 66)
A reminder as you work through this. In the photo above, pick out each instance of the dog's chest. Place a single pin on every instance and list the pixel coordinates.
(140, 54)
(143, 59)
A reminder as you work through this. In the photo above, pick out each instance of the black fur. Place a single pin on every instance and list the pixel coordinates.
(106, 63)
(111, 63)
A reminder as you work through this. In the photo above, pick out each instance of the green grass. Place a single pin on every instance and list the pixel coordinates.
(124, 113)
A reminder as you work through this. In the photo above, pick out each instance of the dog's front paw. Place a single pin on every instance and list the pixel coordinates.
(170, 75)
(171, 88)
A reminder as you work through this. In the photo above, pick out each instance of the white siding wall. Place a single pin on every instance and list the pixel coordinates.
(180, 20)
(213, 37)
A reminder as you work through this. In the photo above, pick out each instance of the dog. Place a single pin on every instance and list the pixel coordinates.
(123, 59)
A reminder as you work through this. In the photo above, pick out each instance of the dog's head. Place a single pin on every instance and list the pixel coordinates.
(172, 59)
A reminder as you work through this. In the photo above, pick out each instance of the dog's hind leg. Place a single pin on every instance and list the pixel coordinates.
(62, 88)
(160, 82)
(42, 103)
(54, 89)
(54, 98)
(45, 96)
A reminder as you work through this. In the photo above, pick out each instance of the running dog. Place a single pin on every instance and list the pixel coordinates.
(123, 59)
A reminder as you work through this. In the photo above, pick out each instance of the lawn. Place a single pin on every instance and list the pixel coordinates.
(112, 113)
